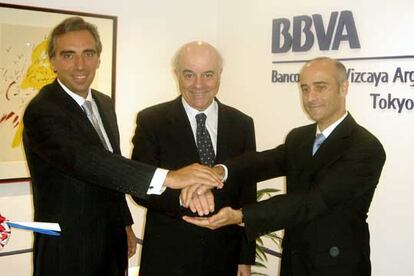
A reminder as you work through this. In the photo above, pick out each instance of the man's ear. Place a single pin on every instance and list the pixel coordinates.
(343, 87)
(52, 64)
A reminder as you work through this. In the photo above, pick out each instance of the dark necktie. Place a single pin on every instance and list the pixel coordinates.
(318, 142)
(204, 144)
(87, 107)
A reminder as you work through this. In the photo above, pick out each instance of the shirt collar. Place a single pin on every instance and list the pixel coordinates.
(332, 127)
(78, 99)
(192, 112)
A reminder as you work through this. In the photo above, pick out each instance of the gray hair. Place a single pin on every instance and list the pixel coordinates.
(73, 24)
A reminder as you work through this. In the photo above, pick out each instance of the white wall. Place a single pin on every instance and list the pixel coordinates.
(150, 31)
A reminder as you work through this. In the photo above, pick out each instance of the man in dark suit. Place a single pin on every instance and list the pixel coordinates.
(167, 135)
(329, 190)
(78, 174)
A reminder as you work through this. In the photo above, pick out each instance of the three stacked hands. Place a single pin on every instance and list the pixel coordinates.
(197, 197)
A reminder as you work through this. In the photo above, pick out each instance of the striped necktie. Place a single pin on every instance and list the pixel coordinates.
(319, 139)
(87, 107)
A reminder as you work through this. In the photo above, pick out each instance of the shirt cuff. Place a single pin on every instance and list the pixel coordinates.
(226, 172)
(156, 186)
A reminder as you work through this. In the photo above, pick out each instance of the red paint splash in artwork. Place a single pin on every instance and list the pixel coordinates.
(11, 116)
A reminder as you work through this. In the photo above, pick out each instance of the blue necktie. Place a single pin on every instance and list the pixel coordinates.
(203, 139)
(318, 142)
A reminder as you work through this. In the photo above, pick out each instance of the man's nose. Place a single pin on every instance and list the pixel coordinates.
(312, 95)
(79, 62)
(198, 82)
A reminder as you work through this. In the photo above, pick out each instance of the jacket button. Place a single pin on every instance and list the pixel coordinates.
(334, 251)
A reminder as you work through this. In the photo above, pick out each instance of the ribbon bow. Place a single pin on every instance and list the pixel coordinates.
(4, 231)
(47, 228)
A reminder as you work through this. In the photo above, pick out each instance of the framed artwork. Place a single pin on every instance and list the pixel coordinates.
(25, 69)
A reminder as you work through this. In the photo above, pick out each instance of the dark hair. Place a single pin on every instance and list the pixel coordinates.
(73, 24)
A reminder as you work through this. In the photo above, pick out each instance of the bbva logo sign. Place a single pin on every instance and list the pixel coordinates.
(301, 37)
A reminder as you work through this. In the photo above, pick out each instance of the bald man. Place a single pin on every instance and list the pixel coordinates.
(330, 183)
(168, 135)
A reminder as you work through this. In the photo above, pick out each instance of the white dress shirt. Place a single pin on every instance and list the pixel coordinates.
(332, 127)
(211, 122)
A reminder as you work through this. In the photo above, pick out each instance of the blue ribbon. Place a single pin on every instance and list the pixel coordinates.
(34, 229)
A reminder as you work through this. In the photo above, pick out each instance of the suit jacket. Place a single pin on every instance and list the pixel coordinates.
(80, 185)
(171, 246)
(328, 196)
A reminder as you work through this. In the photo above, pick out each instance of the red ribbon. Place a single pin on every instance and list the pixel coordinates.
(4, 231)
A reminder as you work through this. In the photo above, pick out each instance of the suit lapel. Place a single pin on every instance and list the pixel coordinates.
(223, 134)
(65, 102)
(177, 122)
(75, 113)
(336, 144)
(108, 121)
(301, 153)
